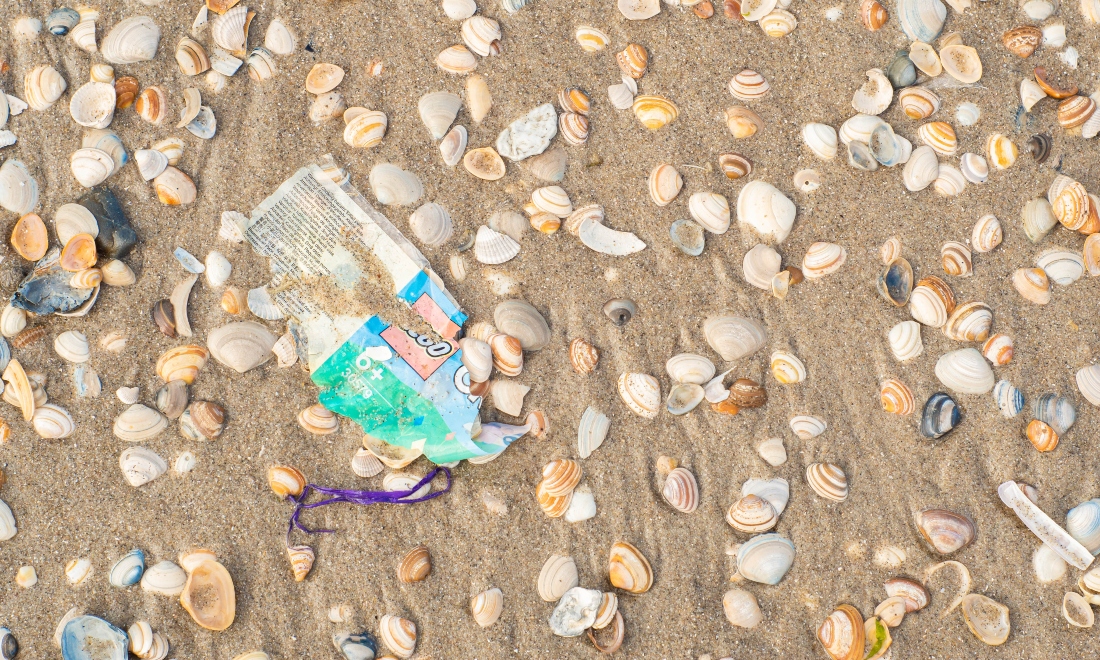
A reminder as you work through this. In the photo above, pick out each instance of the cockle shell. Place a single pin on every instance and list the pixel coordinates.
(807, 426)
(181, 363)
(896, 397)
(822, 259)
(842, 634)
(241, 346)
(664, 184)
(487, 606)
(628, 568)
(766, 558)
(140, 466)
(821, 139)
(875, 95)
(494, 248)
(741, 608)
(558, 575)
(641, 393)
(681, 490)
(93, 105)
(946, 531)
(828, 481)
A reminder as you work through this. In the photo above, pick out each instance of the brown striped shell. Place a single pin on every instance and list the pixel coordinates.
(681, 490)
(583, 356)
(416, 565)
(828, 481)
(560, 477)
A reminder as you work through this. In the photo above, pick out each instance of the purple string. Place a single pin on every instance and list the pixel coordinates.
(363, 498)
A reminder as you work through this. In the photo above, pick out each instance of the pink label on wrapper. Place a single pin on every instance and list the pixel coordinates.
(421, 353)
(435, 316)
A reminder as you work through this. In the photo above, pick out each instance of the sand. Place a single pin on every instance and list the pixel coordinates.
(70, 499)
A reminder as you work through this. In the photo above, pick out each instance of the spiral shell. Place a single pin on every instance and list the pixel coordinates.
(896, 397)
(628, 568)
(681, 490)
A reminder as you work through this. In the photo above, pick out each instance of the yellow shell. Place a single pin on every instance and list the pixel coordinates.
(365, 129)
(560, 477)
(940, 136)
(1042, 435)
(628, 569)
(208, 595)
(553, 506)
(918, 102)
(842, 634)
(484, 163)
(654, 111)
(182, 363)
(633, 60)
(591, 39)
(301, 560)
(234, 301)
(896, 397)
(416, 565)
(1002, 152)
(285, 481)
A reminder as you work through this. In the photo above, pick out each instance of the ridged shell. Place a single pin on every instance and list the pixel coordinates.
(72, 345)
(654, 111)
(558, 575)
(365, 129)
(181, 363)
(415, 566)
(734, 337)
(1088, 383)
(821, 139)
(553, 200)
(918, 102)
(139, 422)
(628, 568)
(748, 85)
(765, 558)
(494, 248)
(140, 466)
(752, 514)
(828, 481)
(241, 346)
(438, 111)
(969, 322)
(641, 393)
(487, 606)
(392, 185)
(946, 531)
(132, 40)
(583, 356)
(875, 95)
(922, 169)
(807, 426)
(822, 259)
(987, 234)
(777, 23)
(1056, 411)
(398, 634)
(431, 224)
(318, 420)
(896, 397)
(93, 105)
(230, 30)
(681, 490)
(710, 210)
(42, 87)
(664, 184)
(921, 20)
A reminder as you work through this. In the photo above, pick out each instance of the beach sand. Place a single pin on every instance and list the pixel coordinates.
(70, 500)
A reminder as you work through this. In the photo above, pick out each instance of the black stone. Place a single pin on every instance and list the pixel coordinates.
(116, 236)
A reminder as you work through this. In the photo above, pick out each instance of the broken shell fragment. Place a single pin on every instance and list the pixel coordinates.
(986, 618)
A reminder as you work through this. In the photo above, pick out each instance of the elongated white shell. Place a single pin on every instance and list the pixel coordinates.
(7, 522)
(591, 431)
(965, 371)
(132, 40)
(605, 240)
(1043, 527)
(768, 211)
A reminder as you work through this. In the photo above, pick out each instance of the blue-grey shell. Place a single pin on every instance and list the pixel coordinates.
(1056, 411)
(61, 20)
(940, 416)
(127, 571)
(356, 647)
(921, 20)
(92, 638)
(46, 290)
(1008, 398)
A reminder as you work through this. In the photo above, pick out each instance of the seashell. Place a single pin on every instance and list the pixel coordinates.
(734, 166)
(918, 102)
(61, 20)
(172, 399)
(664, 184)
(821, 139)
(961, 63)
(922, 169)
(761, 206)
(683, 398)
(931, 301)
(131, 40)
(150, 164)
(350, 646)
(688, 236)
(431, 224)
(619, 311)
(945, 531)
(974, 168)
(484, 163)
(633, 60)
(1056, 411)
(285, 481)
(28, 337)
(494, 248)
(734, 337)
(873, 15)
(139, 422)
(127, 571)
(591, 39)
(828, 481)
(560, 477)
(52, 422)
(487, 606)
(773, 452)
(689, 368)
(458, 10)
(366, 130)
(1091, 254)
(822, 259)
(1032, 284)
(456, 59)
(77, 571)
(896, 281)
(1042, 436)
(208, 595)
(748, 85)
(939, 416)
(139, 467)
(507, 354)
(173, 148)
(1077, 610)
(230, 30)
(654, 111)
(641, 393)
(940, 136)
(261, 67)
(740, 606)
(79, 253)
(956, 259)
(93, 105)
(478, 99)
(752, 514)
(12, 321)
(986, 618)
(365, 464)
(438, 111)
(392, 185)
(806, 426)
(576, 611)
(174, 188)
(1038, 219)
(279, 39)
(453, 145)
(553, 200)
(301, 560)
(558, 575)
(191, 57)
(1049, 567)
(896, 397)
(681, 490)
(415, 566)
(583, 356)
(778, 23)
(901, 72)
(42, 87)
(241, 346)
(967, 114)
(766, 558)
(1023, 40)
(965, 371)
(969, 322)
(318, 420)
(1061, 266)
(861, 157)
(921, 20)
(481, 35)
(573, 128)
(842, 634)
(747, 393)
(30, 238)
(874, 96)
(628, 569)
(72, 345)
(987, 233)
(508, 396)
(203, 420)
(710, 210)
(787, 368)
(1083, 524)
(72, 219)
(91, 167)
(574, 100)
(1069, 202)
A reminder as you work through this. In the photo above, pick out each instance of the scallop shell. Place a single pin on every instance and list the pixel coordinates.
(456, 59)
(896, 397)
(822, 259)
(664, 184)
(494, 248)
(487, 606)
(807, 426)
(761, 206)
(140, 466)
(558, 575)
(365, 129)
(208, 595)
(654, 111)
(131, 40)
(821, 139)
(945, 531)
(230, 30)
(438, 111)
(766, 558)
(641, 393)
(828, 481)
(875, 95)
(484, 163)
(734, 337)
(628, 568)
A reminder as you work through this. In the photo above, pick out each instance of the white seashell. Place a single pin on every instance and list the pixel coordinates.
(965, 371)
(91, 167)
(93, 105)
(950, 181)
(922, 169)
(787, 368)
(768, 211)
(262, 305)
(73, 219)
(641, 393)
(231, 228)
(1039, 9)
(967, 114)
(132, 40)
(621, 96)
(639, 10)
(773, 452)
(1070, 57)
(150, 163)
(453, 146)
(164, 578)
(140, 465)
(279, 39)
(859, 128)
(558, 575)
(26, 28)
(508, 396)
(530, 135)
(18, 189)
(42, 87)
(431, 224)
(481, 35)
(458, 10)
(1030, 93)
(577, 609)
(760, 265)
(734, 337)
(494, 248)
(821, 139)
(710, 210)
(78, 570)
(487, 605)
(12, 321)
(875, 95)
(72, 345)
(927, 307)
(552, 200)
(230, 31)
(1088, 383)
(261, 65)
(582, 506)
(1062, 266)
(741, 609)
(392, 185)
(1038, 219)
(1043, 527)
(921, 20)
(185, 462)
(139, 422)
(689, 368)
(223, 63)
(961, 63)
(1049, 567)
(438, 111)
(7, 522)
(890, 556)
(365, 464)
(591, 431)
(52, 422)
(766, 558)
(807, 426)
(776, 491)
(974, 168)
(218, 268)
(821, 259)
(605, 240)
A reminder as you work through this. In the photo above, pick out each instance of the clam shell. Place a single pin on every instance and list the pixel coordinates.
(591, 431)
(858, 128)
(77, 571)
(52, 422)
(842, 633)
(742, 122)
(431, 224)
(1088, 383)
(261, 67)
(689, 368)
(127, 571)
(241, 346)
(1083, 524)
(969, 322)
(776, 491)
(453, 145)
(318, 420)
(477, 357)
(140, 466)
(931, 302)
(508, 396)
(72, 219)
(766, 558)
(279, 39)
(553, 200)
(748, 85)
(583, 356)
(507, 354)
(683, 398)
(772, 451)
(191, 57)
(365, 130)
(628, 568)
(72, 346)
(208, 595)
(760, 265)
(688, 236)
(965, 371)
(91, 167)
(61, 20)
(164, 578)
(921, 20)
(638, 10)
(1056, 411)
(734, 337)
(30, 238)
(998, 349)
(940, 136)
(896, 281)
(922, 169)
(778, 23)
(654, 111)
(591, 39)
(896, 397)
(203, 420)
(392, 185)
(181, 363)
(93, 105)
(828, 481)
(807, 426)
(681, 490)
(558, 575)
(139, 422)
(131, 40)
(1062, 266)
(150, 164)
(761, 206)
(42, 87)
(438, 111)
(710, 210)
(945, 531)
(986, 618)
(1038, 219)
(939, 416)
(1032, 284)
(415, 566)
(752, 514)
(821, 139)
(174, 188)
(481, 35)
(487, 606)
(987, 234)
(664, 184)
(172, 399)
(822, 259)
(961, 63)
(641, 393)
(918, 102)
(484, 163)
(974, 168)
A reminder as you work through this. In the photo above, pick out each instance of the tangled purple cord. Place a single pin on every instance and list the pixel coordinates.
(363, 498)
